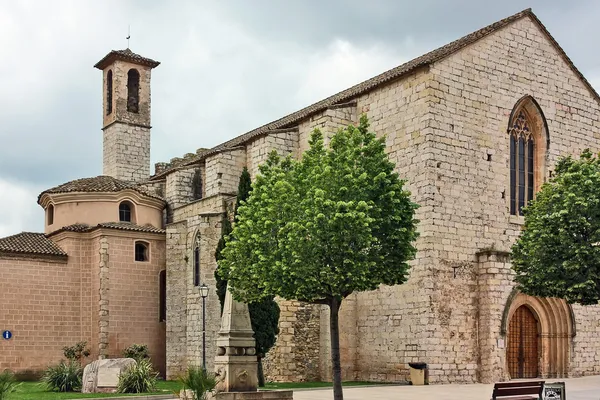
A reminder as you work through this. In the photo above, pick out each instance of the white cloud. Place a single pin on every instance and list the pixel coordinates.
(18, 208)
(339, 66)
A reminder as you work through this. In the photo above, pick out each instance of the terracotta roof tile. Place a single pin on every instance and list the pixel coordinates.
(125, 55)
(125, 226)
(30, 243)
(349, 94)
(102, 183)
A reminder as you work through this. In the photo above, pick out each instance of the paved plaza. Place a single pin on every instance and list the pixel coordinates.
(587, 388)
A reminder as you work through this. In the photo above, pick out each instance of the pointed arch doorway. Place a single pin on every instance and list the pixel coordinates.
(523, 344)
(539, 333)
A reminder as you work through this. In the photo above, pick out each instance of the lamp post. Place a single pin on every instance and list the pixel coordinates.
(204, 294)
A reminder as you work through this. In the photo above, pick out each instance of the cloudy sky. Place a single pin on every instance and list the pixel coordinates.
(227, 67)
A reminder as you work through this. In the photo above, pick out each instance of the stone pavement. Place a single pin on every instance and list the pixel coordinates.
(587, 388)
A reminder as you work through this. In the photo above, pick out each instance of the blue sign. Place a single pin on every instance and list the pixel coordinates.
(7, 335)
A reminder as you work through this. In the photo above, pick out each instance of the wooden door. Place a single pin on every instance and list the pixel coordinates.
(523, 341)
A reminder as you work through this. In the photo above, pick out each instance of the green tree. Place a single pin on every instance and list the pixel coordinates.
(319, 229)
(558, 252)
(264, 315)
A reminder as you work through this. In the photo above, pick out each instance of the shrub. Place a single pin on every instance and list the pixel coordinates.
(139, 378)
(77, 352)
(137, 352)
(63, 377)
(199, 381)
(8, 384)
(29, 375)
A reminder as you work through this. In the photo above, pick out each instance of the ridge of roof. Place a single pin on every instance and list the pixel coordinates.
(124, 226)
(125, 55)
(30, 243)
(101, 183)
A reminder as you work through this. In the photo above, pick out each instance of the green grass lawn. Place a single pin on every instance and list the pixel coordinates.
(36, 391)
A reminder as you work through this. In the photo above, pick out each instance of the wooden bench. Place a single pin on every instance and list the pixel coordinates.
(533, 390)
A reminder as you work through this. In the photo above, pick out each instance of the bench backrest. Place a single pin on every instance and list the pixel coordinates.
(507, 389)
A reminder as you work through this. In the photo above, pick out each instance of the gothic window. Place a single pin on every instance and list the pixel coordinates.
(109, 90)
(197, 260)
(50, 214)
(125, 212)
(133, 91)
(141, 251)
(162, 294)
(522, 148)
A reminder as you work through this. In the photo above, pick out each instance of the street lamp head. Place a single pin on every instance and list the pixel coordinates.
(203, 290)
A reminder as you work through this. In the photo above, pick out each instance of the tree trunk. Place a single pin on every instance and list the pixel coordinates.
(261, 373)
(334, 330)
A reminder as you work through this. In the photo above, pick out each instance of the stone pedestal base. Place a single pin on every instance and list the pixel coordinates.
(237, 373)
(263, 395)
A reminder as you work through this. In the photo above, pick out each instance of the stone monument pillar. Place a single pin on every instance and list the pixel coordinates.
(236, 362)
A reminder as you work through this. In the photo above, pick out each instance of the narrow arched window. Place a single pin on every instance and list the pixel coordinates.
(125, 212)
(522, 148)
(133, 91)
(162, 295)
(109, 90)
(141, 251)
(50, 215)
(197, 260)
(197, 184)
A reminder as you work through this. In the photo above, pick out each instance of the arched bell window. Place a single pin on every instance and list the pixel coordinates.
(109, 90)
(133, 91)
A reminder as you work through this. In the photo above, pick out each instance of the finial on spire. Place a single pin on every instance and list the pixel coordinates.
(128, 34)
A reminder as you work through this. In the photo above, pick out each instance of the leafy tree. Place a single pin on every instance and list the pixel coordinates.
(77, 352)
(558, 252)
(319, 229)
(264, 315)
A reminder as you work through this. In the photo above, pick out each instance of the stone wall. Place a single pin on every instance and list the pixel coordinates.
(126, 152)
(177, 282)
(184, 303)
(295, 356)
(284, 142)
(223, 170)
(178, 189)
(469, 122)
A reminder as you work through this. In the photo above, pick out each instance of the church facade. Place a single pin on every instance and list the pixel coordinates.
(475, 127)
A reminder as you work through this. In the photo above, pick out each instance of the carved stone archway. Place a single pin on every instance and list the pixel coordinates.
(556, 327)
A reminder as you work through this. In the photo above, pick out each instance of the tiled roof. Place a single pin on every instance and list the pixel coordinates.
(30, 243)
(125, 55)
(345, 96)
(102, 183)
(125, 226)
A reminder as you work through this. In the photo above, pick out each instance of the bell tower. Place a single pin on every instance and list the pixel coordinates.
(126, 115)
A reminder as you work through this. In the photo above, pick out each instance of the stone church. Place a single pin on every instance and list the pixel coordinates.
(475, 127)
